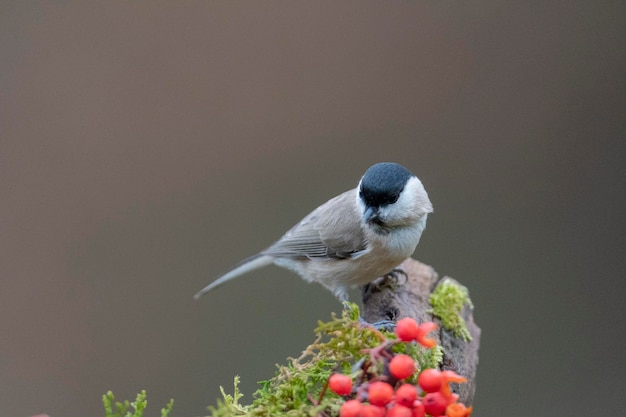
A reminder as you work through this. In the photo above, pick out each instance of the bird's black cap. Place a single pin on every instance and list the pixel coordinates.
(382, 183)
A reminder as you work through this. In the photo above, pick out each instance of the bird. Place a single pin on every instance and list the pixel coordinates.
(353, 238)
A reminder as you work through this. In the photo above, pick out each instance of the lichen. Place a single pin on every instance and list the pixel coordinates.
(448, 301)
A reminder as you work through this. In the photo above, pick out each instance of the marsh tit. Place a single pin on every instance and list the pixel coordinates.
(353, 238)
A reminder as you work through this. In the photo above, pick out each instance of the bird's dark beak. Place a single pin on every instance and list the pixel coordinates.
(371, 215)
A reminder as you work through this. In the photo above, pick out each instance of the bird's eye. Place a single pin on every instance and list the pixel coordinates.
(393, 198)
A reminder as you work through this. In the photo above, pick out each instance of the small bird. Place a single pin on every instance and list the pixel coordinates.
(351, 239)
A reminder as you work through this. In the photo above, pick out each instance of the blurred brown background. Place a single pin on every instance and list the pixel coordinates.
(146, 147)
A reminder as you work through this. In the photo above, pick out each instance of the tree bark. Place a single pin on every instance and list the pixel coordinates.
(406, 293)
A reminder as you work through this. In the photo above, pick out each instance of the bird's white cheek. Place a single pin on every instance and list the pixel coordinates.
(398, 216)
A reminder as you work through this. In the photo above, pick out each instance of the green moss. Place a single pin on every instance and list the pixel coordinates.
(299, 388)
(229, 405)
(114, 408)
(447, 302)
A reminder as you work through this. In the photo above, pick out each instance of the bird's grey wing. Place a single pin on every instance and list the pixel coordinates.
(332, 231)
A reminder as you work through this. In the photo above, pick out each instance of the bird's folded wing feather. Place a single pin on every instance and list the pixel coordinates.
(332, 231)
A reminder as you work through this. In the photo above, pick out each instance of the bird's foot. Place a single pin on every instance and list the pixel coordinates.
(399, 270)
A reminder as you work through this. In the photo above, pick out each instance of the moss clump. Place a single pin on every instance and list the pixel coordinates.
(299, 388)
(114, 408)
(447, 302)
(229, 405)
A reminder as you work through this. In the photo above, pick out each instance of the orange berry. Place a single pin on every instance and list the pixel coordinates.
(351, 408)
(402, 366)
(407, 329)
(430, 380)
(418, 409)
(399, 411)
(340, 384)
(380, 393)
(372, 411)
(435, 403)
(406, 395)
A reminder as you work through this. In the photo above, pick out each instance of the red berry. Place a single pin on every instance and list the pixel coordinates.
(340, 384)
(430, 380)
(402, 366)
(407, 329)
(399, 411)
(406, 394)
(351, 408)
(434, 403)
(372, 411)
(380, 393)
(418, 409)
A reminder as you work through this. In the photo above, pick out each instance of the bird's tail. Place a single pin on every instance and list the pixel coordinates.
(245, 266)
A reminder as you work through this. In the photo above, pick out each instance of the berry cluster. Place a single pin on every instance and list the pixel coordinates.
(388, 393)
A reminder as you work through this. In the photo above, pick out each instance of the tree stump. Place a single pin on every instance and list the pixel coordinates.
(406, 294)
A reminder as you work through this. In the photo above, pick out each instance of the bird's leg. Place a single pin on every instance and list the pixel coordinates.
(394, 274)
